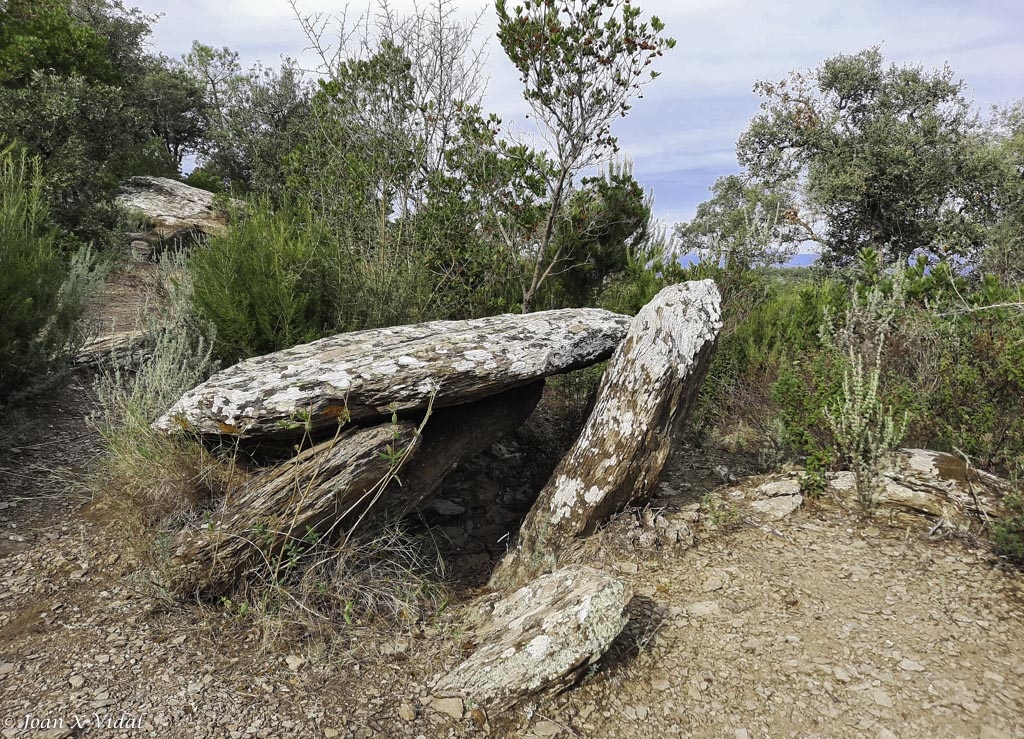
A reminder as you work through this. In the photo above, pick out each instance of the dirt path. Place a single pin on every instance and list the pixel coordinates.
(828, 627)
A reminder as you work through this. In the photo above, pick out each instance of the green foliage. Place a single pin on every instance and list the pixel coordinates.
(255, 119)
(46, 36)
(973, 398)
(863, 429)
(720, 514)
(883, 156)
(580, 63)
(743, 225)
(71, 98)
(266, 284)
(178, 112)
(42, 294)
(82, 145)
(357, 165)
(651, 265)
(1008, 531)
(765, 375)
(1004, 251)
(606, 220)
(205, 180)
(154, 482)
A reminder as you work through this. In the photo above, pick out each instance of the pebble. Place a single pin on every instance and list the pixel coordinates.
(881, 698)
(448, 706)
(703, 608)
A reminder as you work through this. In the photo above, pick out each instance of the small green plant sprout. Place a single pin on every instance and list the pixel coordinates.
(721, 514)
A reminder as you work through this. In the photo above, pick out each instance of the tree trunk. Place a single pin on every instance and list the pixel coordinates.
(647, 392)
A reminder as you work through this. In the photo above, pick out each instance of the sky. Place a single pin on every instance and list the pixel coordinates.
(681, 136)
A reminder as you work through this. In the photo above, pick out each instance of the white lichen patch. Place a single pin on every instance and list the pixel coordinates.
(583, 609)
(566, 492)
(478, 355)
(539, 646)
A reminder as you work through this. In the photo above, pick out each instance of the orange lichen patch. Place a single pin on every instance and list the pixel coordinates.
(227, 428)
(183, 423)
(336, 411)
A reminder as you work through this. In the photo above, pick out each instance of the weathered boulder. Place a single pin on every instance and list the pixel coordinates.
(364, 376)
(177, 212)
(328, 487)
(937, 485)
(647, 392)
(539, 639)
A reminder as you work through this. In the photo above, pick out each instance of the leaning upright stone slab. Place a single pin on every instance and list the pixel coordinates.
(327, 488)
(539, 639)
(647, 392)
(291, 505)
(364, 376)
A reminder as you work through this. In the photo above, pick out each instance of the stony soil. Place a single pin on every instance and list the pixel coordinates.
(822, 624)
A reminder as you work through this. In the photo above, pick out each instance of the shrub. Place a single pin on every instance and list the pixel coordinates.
(767, 377)
(42, 294)
(266, 284)
(150, 480)
(153, 482)
(975, 403)
(1008, 532)
(280, 277)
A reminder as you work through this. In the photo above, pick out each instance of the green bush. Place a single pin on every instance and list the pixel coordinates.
(266, 284)
(767, 380)
(951, 363)
(281, 277)
(974, 400)
(205, 180)
(42, 294)
(1008, 532)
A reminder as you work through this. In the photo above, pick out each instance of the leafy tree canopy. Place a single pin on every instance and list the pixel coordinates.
(882, 156)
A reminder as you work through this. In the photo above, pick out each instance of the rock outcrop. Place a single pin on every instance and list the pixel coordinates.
(937, 485)
(178, 214)
(112, 348)
(365, 376)
(647, 392)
